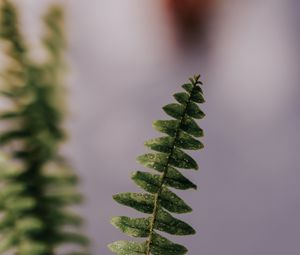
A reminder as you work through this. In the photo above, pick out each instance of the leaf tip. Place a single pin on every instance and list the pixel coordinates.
(197, 77)
(134, 174)
(115, 197)
(196, 167)
(111, 247)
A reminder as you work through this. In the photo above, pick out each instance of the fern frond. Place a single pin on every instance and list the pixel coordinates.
(54, 42)
(11, 33)
(35, 196)
(159, 201)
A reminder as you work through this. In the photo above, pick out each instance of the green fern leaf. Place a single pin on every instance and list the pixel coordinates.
(173, 179)
(133, 227)
(141, 202)
(163, 246)
(158, 202)
(167, 223)
(36, 195)
(128, 247)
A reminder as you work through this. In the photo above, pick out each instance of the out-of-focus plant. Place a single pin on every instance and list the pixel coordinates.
(35, 199)
(159, 201)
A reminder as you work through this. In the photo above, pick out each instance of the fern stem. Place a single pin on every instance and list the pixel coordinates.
(165, 172)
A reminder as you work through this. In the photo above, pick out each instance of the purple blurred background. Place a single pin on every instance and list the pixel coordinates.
(128, 57)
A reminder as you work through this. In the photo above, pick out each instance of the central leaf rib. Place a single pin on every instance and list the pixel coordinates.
(165, 172)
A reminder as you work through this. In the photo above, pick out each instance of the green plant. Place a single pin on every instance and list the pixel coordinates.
(160, 201)
(36, 195)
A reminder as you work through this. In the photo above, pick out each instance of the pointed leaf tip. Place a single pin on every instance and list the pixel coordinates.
(197, 77)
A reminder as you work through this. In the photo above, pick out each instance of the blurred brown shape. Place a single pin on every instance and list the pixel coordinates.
(190, 18)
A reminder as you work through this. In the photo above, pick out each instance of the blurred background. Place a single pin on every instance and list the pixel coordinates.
(128, 57)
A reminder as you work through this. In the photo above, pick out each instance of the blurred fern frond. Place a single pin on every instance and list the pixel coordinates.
(159, 201)
(35, 200)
